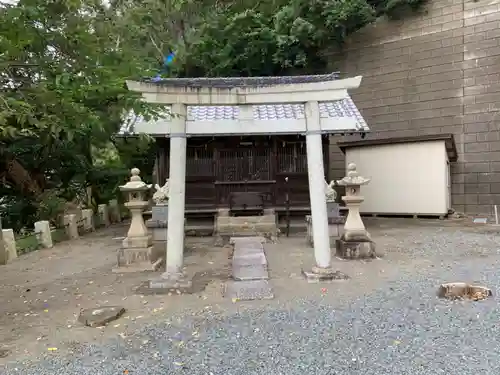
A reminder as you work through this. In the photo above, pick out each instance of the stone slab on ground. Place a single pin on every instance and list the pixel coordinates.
(147, 288)
(314, 277)
(248, 290)
(249, 260)
(243, 251)
(252, 239)
(100, 316)
(248, 245)
(246, 273)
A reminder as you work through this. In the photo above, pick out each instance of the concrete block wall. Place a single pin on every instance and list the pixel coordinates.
(436, 72)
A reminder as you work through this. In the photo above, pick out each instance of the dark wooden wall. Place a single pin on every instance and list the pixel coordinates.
(218, 166)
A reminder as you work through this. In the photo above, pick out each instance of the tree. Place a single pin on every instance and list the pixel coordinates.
(63, 66)
(63, 93)
(248, 38)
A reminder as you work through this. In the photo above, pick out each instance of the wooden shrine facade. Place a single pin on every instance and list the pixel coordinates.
(274, 166)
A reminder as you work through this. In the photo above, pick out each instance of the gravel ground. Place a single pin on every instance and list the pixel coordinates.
(398, 328)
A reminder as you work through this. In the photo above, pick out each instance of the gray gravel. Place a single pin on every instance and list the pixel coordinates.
(401, 328)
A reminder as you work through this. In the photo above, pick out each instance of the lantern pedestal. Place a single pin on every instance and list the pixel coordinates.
(136, 253)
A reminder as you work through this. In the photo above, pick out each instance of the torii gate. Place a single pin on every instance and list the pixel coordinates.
(309, 105)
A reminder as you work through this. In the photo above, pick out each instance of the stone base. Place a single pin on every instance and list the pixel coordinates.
(137, 242)
(317, 275)
(355, 249)
(137, 260)
(335, 229)
(245, 226)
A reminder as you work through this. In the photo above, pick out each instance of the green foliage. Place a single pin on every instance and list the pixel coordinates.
(62, 77)
(248, 38)
(64, 63)
(51, 206)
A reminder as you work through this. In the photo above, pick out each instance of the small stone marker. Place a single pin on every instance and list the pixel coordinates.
(10, 244)
(43, 234)
(480, 220)
(248, 290)
(100, 316)
(88, 220)
(71, 225)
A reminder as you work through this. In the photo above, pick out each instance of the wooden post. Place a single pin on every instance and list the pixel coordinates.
(287, 206)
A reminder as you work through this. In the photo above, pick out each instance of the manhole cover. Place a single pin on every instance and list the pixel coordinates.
(461, 290)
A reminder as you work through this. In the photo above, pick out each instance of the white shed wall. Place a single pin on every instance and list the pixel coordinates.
(407, 178)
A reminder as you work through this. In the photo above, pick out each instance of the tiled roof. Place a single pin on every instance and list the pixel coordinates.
(343, 108)
(212, 113)
(335, 109)
(228, 82)
(278, 111)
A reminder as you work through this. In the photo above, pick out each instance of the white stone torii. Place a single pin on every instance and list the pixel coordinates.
(306, 94)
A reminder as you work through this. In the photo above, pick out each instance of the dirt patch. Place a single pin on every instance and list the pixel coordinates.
(43, 293)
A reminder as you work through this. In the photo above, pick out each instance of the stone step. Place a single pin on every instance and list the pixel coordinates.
(248, 290)
(242, 251)
(249, 245)
(246, 273)
(252, 239)
(255, 259)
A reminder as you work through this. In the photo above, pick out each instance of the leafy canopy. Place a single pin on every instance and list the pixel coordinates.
(63, 66)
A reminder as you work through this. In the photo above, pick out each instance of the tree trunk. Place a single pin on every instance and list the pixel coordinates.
(22, 178)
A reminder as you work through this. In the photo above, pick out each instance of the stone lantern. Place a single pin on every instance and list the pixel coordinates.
(136, 253)
(355, 241)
